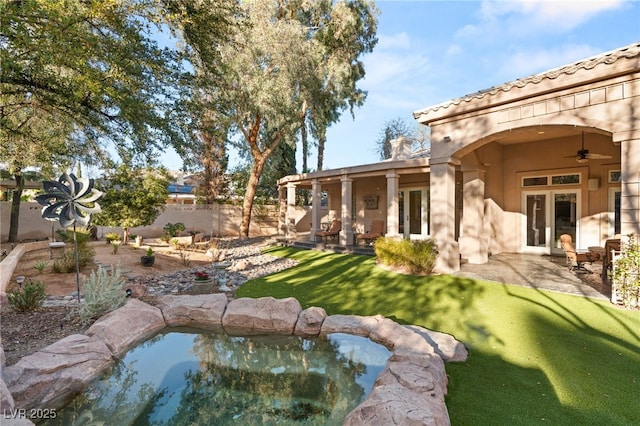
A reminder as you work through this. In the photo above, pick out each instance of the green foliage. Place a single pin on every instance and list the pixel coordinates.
(149, 252)
(29, 298)
(115, 245)
(111, 237)
(626, 273)
(41, 265)
(67, 263)
(418, 257)
(133, 196)
(103, 293)
(298, 61)
(66, 235)
(171, 230)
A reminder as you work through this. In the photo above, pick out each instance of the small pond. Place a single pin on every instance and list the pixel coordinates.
(183, 377)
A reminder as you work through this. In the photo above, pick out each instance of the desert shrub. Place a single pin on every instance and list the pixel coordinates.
(66, 235)
(41, 265)
(112, 236)
(626, 273)
(171, 230)
(418, 257)
(103, 293)
(29, 298)
(115, 245)
(67, 263)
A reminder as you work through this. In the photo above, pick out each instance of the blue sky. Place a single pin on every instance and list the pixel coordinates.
(431, 51)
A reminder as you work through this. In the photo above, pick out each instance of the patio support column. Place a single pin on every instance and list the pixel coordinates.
(443, 215)
(630, 185)
(282, 213)
(291, 209)
(473, 242)
(346, 235)
(316, 208)
(393, 210)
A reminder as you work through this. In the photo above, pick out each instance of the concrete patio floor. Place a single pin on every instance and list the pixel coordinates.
(540, 272)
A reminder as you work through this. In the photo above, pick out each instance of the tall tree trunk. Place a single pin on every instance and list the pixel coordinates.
(305, 149)
(15, 207)
(321, 141)
(250, 193)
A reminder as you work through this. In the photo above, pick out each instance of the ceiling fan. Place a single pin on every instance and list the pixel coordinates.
(583, 155)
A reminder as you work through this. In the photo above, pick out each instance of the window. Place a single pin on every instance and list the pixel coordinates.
(615, 176)
(535, 181)
(571, 179)
(565, 179)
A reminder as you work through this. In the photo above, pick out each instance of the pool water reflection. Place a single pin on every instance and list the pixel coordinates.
(189, 378)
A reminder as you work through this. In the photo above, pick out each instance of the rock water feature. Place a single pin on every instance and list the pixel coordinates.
(409, 389)
(211, 378)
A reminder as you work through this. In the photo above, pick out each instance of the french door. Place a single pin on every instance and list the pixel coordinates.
(413, 214)
(547, 215)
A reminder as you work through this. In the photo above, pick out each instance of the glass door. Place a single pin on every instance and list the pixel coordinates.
(536, 231)
(413, 209)
(547, 215)
(565, 218)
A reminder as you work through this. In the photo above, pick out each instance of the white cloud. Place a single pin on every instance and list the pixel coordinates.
(395, 41)
(524, 18)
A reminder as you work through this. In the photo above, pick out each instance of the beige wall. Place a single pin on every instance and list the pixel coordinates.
(217, 220)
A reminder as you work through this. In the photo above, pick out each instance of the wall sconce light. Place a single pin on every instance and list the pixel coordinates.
(446, 139)
(20, 279)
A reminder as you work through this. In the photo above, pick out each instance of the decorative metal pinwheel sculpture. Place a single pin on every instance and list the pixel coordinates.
(71, 201)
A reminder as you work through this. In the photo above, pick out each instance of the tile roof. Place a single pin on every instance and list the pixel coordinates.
(607, 58)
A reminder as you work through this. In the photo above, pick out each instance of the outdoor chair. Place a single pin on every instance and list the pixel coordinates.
(332, 232)
(577, 258)
(376, 231)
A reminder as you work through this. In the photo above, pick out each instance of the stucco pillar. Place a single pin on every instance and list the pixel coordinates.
(630, 187)
(316, 208)
(473, 241)
(443, 216)
(282, 213)
(393, 189)
(291, 210)
(346, 235)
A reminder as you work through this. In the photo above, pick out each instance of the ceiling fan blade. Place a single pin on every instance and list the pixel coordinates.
(598, 156)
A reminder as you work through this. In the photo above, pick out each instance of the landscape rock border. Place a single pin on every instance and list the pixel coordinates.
(410, 389)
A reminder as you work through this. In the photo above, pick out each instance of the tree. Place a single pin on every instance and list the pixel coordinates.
(291, 55)
(92, 73)
(23, 149)
(133, 196)
(392, 129)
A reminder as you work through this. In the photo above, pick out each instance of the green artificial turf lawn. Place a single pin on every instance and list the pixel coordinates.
(534, 356)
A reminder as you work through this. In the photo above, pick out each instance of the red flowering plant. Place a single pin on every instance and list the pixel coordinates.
(201, 276)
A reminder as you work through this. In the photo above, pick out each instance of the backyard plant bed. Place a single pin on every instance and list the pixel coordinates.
(23, 333)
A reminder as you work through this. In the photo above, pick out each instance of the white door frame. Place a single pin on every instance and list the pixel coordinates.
(424, 206)
(551, 245)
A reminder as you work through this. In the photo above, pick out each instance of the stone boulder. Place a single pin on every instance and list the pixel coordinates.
(264, 315)
(445, 345)
(310, 321)
(133, 323)
(398, 338)
(351, 324)
(6, 399)
(201, 311)
(409, 391)
(53, 376)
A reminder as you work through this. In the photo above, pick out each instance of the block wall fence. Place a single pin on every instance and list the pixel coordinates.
(219, 220)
